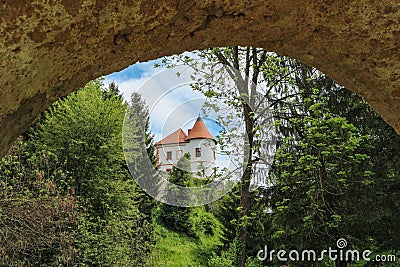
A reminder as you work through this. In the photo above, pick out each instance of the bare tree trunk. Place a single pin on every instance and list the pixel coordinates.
(245, 205)
(248, 93)
(245, 195)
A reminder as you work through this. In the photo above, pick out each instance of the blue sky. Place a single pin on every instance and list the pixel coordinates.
(171, 101)
(173, 105)
(135, 71)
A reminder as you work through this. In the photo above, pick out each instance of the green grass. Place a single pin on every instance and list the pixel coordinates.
(175, 249)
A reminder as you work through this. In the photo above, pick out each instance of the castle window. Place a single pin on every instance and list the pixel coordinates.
(198, 152)
(179, 154)
(169, 155)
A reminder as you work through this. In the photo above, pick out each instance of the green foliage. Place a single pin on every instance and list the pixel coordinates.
(84, 132)
(317, 172)
(37, 210)
(226, 210)
(227, 258)
(176, 218)
(124, 239)
(173, 217)
(139, 150)
(208, 230)
(111, 91)
(204, 224)
(176, 248)
(138, 112)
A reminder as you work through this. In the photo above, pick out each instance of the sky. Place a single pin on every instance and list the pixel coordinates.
(171, 101)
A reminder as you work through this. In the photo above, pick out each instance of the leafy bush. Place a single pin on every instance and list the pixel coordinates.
(36, 213)
(227, 258)
(66, 197)
(205, 224)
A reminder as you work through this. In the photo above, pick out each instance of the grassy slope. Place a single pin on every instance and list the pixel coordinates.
(175, 249)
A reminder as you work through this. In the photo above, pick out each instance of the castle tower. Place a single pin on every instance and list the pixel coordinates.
(199, 143)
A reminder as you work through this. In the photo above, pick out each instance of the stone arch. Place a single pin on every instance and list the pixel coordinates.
(49, 48)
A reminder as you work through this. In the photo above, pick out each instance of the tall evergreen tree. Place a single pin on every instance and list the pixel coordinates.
(139, 150)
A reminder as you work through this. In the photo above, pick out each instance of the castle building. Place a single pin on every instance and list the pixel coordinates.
(198, 142)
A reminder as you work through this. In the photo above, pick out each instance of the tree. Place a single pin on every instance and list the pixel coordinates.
(233, 74)
(139, 150)
(178, 218)
(139, 107)
(112, 91)
(84, 132)
(315, 172)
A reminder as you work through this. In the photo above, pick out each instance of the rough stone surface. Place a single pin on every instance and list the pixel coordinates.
(48, 48)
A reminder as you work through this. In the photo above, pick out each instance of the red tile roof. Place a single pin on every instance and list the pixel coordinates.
(199, 130)
(176, 137)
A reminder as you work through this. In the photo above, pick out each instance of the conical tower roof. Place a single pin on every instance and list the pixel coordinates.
(199, 131)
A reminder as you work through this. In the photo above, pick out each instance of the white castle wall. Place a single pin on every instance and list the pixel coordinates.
(206, 162)
(200, 166)
(165, 164)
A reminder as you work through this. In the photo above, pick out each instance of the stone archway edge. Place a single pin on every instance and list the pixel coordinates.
(50, 48)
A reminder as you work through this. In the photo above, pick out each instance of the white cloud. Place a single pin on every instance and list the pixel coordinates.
(172, 102)
(128, 86)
